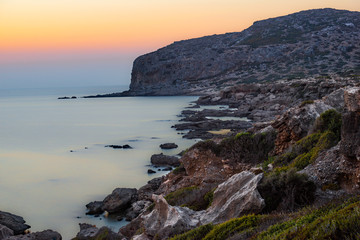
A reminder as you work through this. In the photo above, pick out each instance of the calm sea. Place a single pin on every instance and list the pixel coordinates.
(52, 155)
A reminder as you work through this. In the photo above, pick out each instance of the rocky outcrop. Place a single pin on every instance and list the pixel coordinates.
(307, 43)
(14, 222)
(164, 160)
(200, 168)
(235, 197)
(120, 199)
(339, 167)
(146, 191)
(297, 123)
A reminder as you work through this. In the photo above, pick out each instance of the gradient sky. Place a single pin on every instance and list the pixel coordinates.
(46, 43)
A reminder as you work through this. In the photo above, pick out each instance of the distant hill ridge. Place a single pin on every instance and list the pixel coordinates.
(309, 43)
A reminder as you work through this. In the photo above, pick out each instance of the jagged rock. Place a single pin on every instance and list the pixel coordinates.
(296, 123)
(136, 209)
(166, 221)
(235, 197)
(203, 169)
(5, 232)
(44, 235)
(146, 191)
(150, 171)
(168, 146)
(164, 160)
(352, 99)
(95, 207)
(14, 222)
(89, 232)
(120, 199)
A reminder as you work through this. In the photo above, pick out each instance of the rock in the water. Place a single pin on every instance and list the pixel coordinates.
(120, 199)
(95, 207)
(150, 171)
(5, 232)
(44, 235)
(168, 146)
(146, 191)
(235, 197)
(14, 222)
(164, 160)
(126, 146)
(88, 232)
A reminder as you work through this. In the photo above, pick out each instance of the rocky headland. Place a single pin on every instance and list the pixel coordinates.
(312, 43)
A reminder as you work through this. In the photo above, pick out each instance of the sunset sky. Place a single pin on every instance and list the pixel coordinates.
(46, 43)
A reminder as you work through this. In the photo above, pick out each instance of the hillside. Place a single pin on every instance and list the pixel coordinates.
(310, 43)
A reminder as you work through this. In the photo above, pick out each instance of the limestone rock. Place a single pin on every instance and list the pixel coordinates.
(136, 209)
(166, 221)
(119, 199)
(352, 99)
(235, 197)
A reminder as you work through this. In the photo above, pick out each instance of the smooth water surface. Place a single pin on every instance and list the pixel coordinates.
(52, 155)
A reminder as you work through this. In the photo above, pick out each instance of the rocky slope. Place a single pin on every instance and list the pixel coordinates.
(304, 44)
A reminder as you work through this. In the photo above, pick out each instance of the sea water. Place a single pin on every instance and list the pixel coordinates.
(53, 158)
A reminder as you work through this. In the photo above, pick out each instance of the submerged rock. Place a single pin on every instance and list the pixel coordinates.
(164, 160)
(168, 146)
(95, 207)
(120, 199)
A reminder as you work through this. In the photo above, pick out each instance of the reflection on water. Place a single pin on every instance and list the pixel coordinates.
(53, 160)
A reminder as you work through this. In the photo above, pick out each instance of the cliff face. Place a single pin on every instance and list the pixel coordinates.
(303, 44)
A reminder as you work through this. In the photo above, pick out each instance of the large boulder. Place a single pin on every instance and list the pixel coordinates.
(235, 197)
(168, 145)
(95, 207)
(164, 160)
(120, 199)
(136, 209)
(5, 232)
(14, 222)
(44, 235)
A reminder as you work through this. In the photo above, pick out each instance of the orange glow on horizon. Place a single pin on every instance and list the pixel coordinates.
(27, 25)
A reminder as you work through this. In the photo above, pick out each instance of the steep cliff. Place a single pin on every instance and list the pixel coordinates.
(317, 42)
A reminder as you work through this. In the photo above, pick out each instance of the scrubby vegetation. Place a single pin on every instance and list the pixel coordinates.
(336, 220)
(243, 147)
(326, 135)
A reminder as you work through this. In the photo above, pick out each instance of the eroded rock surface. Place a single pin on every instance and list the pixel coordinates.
(120, 199)
(14, 222)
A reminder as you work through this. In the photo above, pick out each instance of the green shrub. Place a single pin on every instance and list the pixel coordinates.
(176, 198)
(286, 189)
(208, 198)
(233, 226)
(306, 102)
(180, 169)
(195, 234)
(329, 120)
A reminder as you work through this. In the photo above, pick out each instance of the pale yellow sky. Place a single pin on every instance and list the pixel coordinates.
(98, 24)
